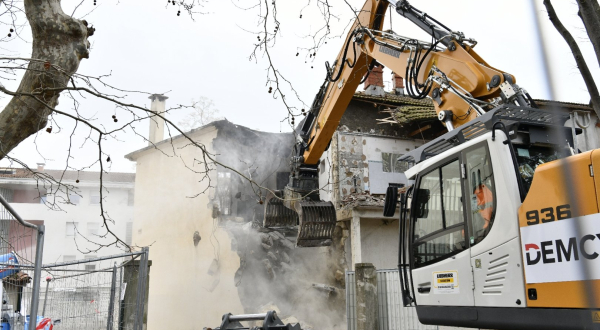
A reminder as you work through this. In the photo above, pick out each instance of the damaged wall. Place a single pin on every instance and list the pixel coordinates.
(273, 273)
(361, 163)
(188, 289)
(210, 255)
(354, 174)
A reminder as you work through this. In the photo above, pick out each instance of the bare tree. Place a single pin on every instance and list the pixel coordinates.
(590, 15)
(59, 44)
(203, 112)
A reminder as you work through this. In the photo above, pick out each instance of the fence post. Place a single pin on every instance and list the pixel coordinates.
(37, 273)
(141, 290)
(46, 295)
(111, 302)
(121, 298)
(366, 297)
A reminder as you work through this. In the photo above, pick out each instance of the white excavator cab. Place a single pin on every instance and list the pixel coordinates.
(462, 254)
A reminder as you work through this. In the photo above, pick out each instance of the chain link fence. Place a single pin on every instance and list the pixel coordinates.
(97, 293)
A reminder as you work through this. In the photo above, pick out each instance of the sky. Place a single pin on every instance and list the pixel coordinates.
(145, 46)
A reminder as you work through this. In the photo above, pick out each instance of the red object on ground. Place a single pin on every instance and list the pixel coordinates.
(44, 323)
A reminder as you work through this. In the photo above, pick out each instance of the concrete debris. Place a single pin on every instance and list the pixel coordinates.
(293, 320)
(246, 228)
(269, 269)
(276, 235)
(290, 320)
(286, 267)
(272, 256)
(287, 244)
(214, 267)
(362, 199)
(324, 287)
(266, 241)
(270, 306)
(285, 257)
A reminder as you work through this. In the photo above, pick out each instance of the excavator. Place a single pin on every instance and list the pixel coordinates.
(500, 227)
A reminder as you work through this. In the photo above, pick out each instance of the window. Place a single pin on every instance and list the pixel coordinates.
(130, 196)
(91, 265)
(71, 229)
(391, 163)
(95, 199)
(530, 157)
(74, 198)
(69, 258)
(481, 192)
(92, 228)
(439, 222)
(43, 199)
(129, 233)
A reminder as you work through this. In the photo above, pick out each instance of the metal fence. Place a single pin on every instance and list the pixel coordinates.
(392, 314)
(108, 292)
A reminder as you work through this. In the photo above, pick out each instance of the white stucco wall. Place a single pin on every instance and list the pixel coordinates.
(183, 293)
(379, 242)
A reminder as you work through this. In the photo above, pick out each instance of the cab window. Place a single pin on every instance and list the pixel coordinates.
(439, 219)
(481, 192)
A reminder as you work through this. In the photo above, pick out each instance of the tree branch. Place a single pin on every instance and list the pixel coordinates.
(589, 11)
(58, 41)
(581, 64)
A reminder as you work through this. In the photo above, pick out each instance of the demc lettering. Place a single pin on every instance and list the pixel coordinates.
(564, 252)
(546, 252)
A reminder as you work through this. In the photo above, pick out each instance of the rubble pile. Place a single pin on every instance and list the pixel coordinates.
(274, 274)
(362, 199)
(278, 249)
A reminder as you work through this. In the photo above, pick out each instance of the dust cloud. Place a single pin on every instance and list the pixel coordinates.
(305, 284)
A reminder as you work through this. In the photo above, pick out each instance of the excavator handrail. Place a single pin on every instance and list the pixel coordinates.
(511, 114)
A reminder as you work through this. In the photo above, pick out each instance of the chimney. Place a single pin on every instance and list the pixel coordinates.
(40, 167)
(374, 82)
(398, 84)
(157, 124)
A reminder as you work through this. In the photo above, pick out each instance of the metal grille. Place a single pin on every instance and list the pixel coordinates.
(392, 314)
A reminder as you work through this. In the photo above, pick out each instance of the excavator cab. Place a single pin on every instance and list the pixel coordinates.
(485, 197)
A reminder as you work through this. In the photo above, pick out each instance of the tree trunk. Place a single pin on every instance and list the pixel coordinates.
(583, 68)
(589, 11)
(59, 44)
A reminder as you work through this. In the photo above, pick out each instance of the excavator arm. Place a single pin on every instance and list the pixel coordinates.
(447, 69)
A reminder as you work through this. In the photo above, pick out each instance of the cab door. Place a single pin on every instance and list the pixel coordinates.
(440, 255)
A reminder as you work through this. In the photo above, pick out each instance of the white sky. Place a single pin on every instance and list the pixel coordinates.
(148, 48)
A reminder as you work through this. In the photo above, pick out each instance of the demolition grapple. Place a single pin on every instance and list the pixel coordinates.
(315, 219)
(270, 321)
(299, 205)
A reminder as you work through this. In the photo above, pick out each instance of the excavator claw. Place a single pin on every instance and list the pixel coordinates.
(317, 222)
(276, 214)
(315, 219)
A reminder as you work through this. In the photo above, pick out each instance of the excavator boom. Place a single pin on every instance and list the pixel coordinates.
(460, 82)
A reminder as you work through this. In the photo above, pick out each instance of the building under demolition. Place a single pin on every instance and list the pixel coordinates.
(201, 212)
